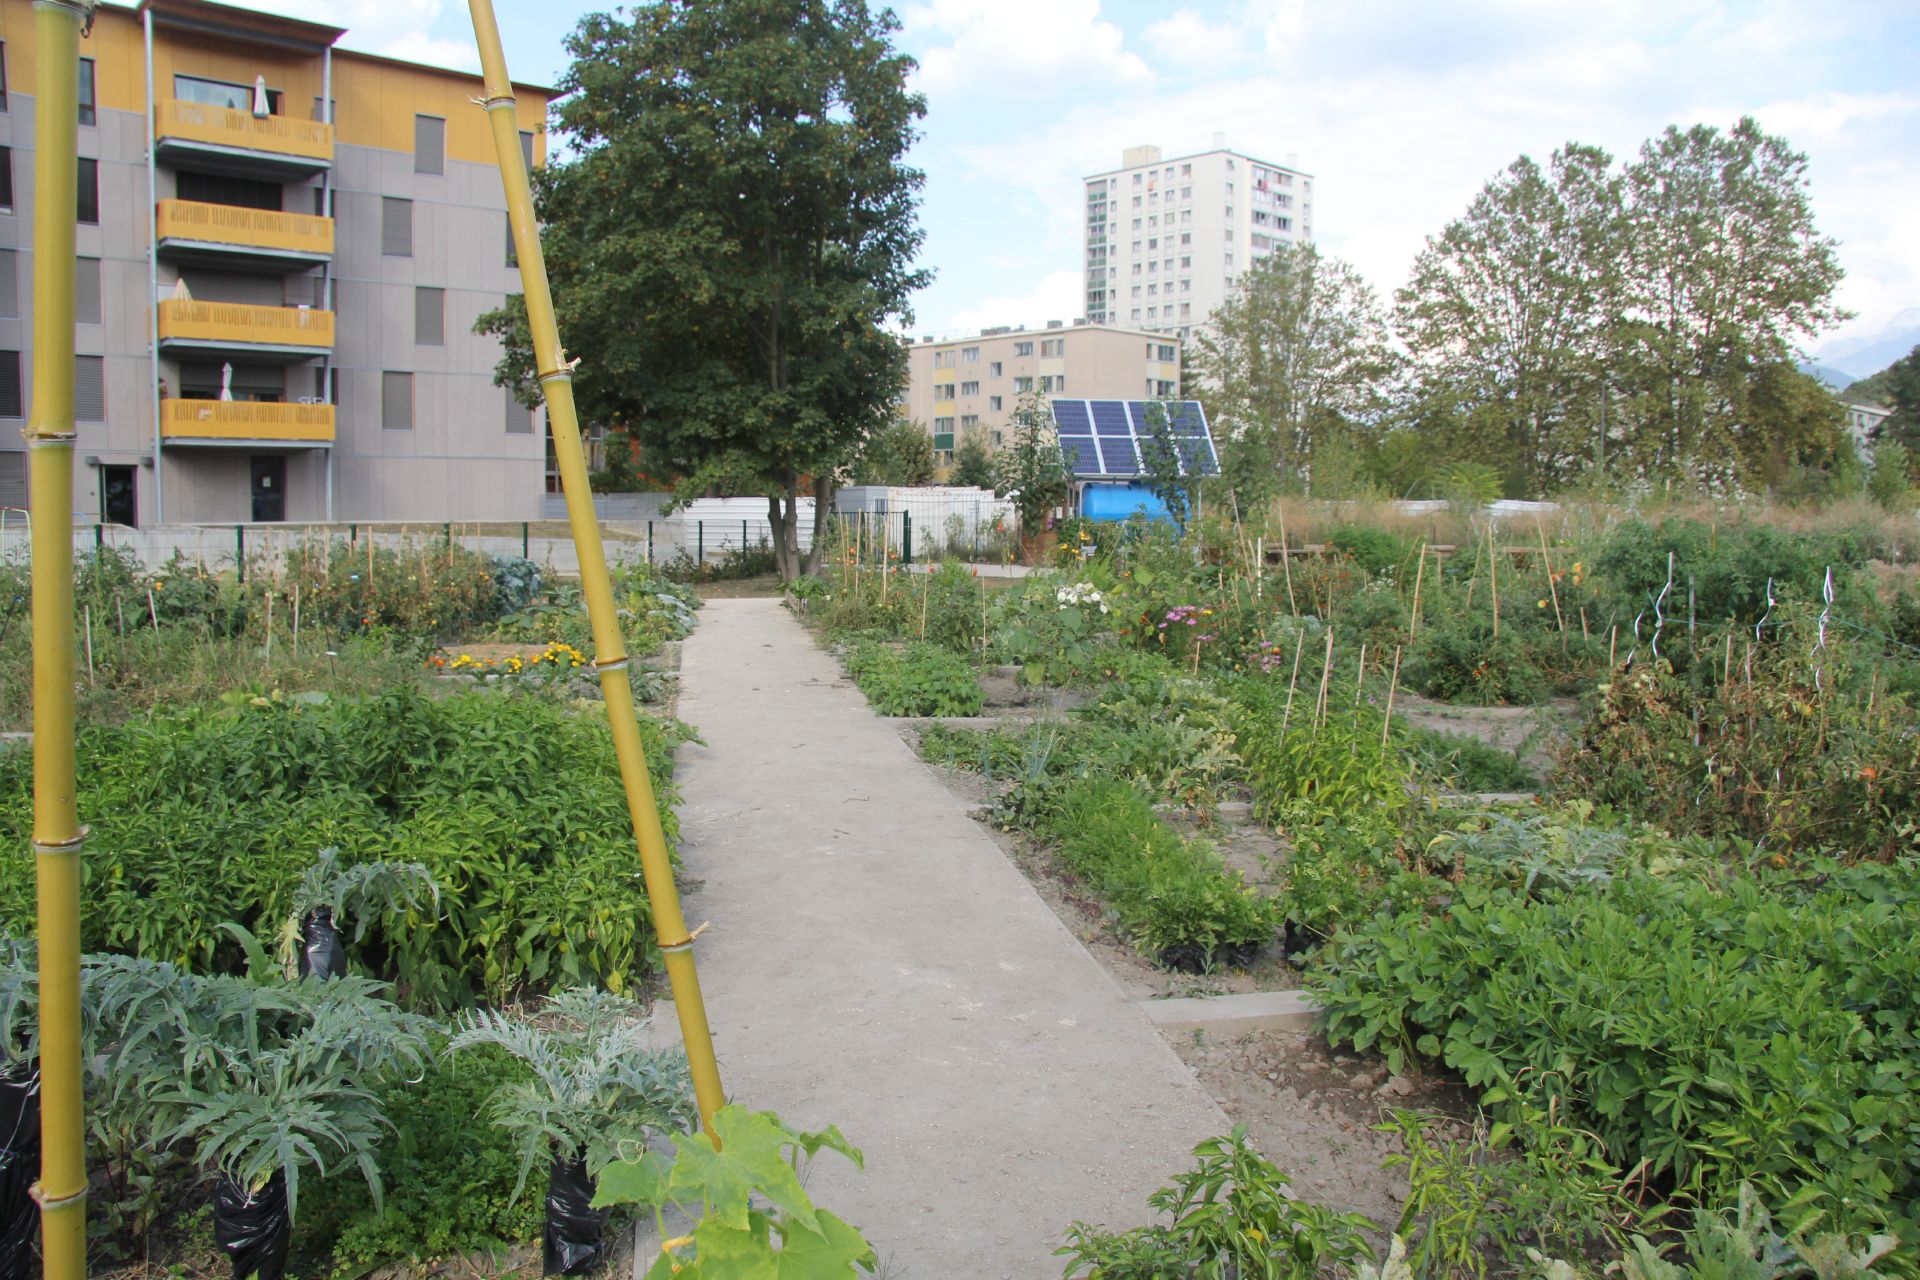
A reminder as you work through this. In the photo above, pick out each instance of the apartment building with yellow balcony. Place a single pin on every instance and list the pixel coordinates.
(282, 248)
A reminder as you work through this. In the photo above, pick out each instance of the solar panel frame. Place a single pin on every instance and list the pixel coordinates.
(1102, 438)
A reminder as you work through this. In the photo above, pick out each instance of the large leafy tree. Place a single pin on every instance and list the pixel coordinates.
(1898, 387)
(1723, 271)
(899, 454)
(1505, 313)
(1295, 357)
(730, 241)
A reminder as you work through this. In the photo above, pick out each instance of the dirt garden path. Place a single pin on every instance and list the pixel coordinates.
(876, 962)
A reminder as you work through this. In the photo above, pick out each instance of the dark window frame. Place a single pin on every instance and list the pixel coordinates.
(87, 192)
(440, 161)
(87, 90)
(386, 400)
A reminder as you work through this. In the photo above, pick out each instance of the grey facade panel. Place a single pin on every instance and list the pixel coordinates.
(13, 478)
(396, 227)
(86, 291)
(519, 417)
(429, 144)
(9, 284)
(89, 389)
(396, 401)
(429, 316)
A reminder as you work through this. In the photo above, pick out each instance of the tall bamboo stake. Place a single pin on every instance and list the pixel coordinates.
(1360, 677)
(1552, 590)
(87, 615)
(1326, 674)
(1299, 642)
(57, 833)
(556, 383)
(1419, 576)
(1493, 580)
(1286, 559)
(296, 619)
(1392, 685)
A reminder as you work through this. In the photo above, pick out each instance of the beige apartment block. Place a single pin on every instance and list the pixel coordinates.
(1166, 239)
(958, 384)
(282, 251)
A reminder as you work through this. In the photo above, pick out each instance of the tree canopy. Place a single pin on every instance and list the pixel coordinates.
(730, 240)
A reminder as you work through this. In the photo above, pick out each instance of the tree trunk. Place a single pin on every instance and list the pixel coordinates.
(781, 527)
(822, 512)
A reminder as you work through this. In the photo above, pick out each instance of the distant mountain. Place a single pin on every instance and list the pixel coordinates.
(1835, 380)
(1870, 353)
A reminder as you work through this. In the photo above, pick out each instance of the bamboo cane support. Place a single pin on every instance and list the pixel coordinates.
(1286, 560)
(1326, 674)
(1299, 642)
(1552, 590)
(1392, 685)
(1419, 577)
(556, 383)
(57, 833)
(1493, 580)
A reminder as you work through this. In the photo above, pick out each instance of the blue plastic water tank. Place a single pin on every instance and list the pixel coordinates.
(1120, 501)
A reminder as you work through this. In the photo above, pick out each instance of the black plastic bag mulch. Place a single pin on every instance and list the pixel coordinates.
(322, 955)
(255, 1229)
(19, 1166)
(571, 1241)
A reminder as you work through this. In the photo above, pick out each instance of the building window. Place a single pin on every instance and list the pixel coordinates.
(9, 284)
(10, 398)
(1053, 348)
(993, 369)
(1020, 385)
(429, 316)
(3, 75)
(6, 179)
(396, 227)
(970, 355)
(1167, 355)
(85, 87)
(1023, 348)
(89, 389)
(86, 291)
(943, 391)
(87, 191)
(993, 403)
(526, 146)
(519, 417)
(396, 401)
(1051, 384)
(943, 359)
(969, 388)
(968, 421)
(429, 144)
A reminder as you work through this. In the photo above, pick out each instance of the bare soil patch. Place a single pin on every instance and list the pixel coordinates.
(1535, 732)
(764, 586)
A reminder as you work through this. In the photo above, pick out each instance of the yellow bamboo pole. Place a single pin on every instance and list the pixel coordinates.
(556, 384)
(57, 834)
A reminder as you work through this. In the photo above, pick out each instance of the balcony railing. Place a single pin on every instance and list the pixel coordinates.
(245, 421)
(188, 321)
(208, 125)
(226, 224)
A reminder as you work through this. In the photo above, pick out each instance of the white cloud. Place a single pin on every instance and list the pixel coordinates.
(1037, 47)
(394, 28)
(1403, 110)
(1057, 296)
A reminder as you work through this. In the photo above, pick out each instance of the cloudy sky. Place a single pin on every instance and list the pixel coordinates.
(1400, 108)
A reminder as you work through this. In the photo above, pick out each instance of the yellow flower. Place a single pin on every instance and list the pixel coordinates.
(1543, 604)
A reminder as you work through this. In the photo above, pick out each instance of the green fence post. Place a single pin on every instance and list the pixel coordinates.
(446, 532)
(523, 541)
(99, 535)
(240, 551)
(743, 537)
(700, 542)
(906, 538)
(649, 544)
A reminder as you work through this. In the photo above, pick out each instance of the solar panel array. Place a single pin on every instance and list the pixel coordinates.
(1105, 437)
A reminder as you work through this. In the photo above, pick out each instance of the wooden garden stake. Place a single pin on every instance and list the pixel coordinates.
(269, 594)
(296, 619)
(925, 595)
(1613, 636)
(1360, 677)
(1552, 590)
(1419, 576)
(120, 608)
(152, 612)
(1493, 580)
(1299, 642)
(1726, 667)
(1259, 564)
(1286, 560)
(86, 613)
(1326, 673)
(1392, 685)
(1584, 637)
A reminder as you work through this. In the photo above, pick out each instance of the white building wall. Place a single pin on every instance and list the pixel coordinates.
(1165, 240)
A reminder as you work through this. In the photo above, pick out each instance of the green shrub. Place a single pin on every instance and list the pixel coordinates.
(1229, 1215)
(430, 588)
(1720, 1028)
(513, 805)
(920, 680)
(1299, 772)
(1466, 764)
(1379, 551)
(1167, 892)
(1458, 660)
(1726, 566)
